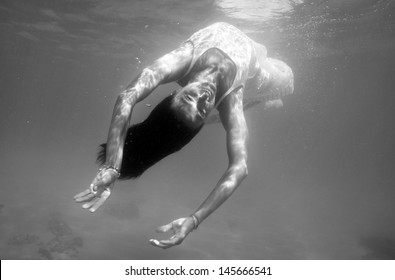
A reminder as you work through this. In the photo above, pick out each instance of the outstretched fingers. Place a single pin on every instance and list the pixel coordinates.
(88, 194)
(84, 196)
(90, 203)
(98, 191)
(98, 203)
(164, 244)
(176, 239)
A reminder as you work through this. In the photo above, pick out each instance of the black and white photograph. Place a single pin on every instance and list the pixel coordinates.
(197, 130)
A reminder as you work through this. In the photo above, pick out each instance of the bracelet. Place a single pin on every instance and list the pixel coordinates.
(195, 221)
(112, 168)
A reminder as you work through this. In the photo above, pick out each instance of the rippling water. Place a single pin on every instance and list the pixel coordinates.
(320, 184)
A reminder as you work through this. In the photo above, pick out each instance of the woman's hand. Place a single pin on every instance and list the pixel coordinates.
(99, 190)
(180, 228)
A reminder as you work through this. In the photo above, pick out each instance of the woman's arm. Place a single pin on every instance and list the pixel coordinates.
(232, 117)
(168, 68)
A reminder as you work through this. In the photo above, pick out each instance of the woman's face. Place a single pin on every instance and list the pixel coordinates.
(193, 103)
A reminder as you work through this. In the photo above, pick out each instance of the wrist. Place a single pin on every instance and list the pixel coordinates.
(110, 168)
(195, 221)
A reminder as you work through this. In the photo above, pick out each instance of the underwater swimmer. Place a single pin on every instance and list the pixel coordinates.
(219, 69)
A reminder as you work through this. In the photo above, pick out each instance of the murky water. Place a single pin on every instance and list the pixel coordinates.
(321, 180)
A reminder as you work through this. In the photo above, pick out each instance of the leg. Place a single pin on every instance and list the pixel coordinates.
(281, 77)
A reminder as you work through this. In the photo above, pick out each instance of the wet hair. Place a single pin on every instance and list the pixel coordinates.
(146, 143)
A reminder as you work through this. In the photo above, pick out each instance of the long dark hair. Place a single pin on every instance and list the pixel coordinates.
(146, 143)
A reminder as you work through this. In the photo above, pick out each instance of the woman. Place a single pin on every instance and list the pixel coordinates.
(218, 67)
